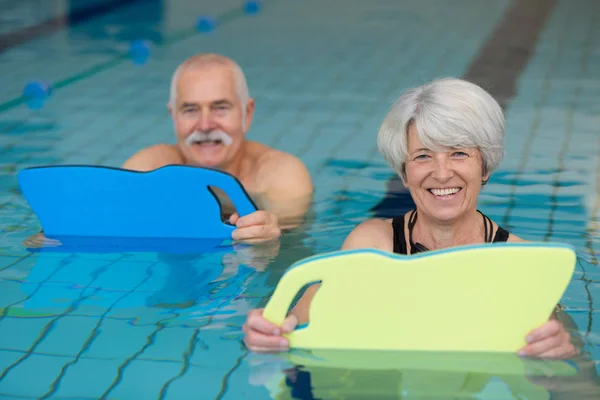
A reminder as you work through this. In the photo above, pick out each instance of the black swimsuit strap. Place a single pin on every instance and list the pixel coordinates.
(488, 232)
(414, 247)
(399, 242)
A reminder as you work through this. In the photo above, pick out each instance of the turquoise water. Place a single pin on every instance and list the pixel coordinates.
(146, 325)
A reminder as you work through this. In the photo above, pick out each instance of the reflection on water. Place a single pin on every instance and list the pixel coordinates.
(59, 283)
(176, 306)
(403, 375)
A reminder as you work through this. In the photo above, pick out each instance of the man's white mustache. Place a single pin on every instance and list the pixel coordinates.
(212, 136)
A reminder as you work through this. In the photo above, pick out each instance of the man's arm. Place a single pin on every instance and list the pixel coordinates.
(289, 190)
(153, 157)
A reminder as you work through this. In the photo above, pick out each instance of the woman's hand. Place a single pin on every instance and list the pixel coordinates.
(550, 340)
(262, 336)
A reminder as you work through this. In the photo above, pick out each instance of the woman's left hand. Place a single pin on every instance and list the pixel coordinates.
(550, 340)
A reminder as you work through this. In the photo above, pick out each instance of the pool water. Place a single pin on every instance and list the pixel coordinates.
(148, 325)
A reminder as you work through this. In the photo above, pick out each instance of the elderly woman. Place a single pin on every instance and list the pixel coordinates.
(444, 139)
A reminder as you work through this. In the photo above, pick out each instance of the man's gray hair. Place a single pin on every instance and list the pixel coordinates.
(203, 60)
(447, 112)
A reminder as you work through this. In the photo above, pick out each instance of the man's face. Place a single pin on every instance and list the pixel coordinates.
(208, 116)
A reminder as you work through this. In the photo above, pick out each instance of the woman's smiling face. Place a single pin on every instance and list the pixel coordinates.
(444, 185)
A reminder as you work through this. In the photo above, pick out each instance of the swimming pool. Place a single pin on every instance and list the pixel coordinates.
(144, 325)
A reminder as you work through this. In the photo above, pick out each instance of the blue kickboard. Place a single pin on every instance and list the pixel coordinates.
(174, 201)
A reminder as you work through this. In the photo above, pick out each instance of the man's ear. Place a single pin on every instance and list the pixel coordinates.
(250, 106)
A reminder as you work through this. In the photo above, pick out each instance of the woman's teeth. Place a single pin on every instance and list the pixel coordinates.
(444, 192)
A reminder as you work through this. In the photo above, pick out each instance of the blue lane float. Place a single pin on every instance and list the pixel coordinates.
(36, 93)
(139, 51)
(206, 24)
(95, 208)
(252, 7)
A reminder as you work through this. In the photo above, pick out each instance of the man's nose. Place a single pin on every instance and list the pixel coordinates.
(205, 123)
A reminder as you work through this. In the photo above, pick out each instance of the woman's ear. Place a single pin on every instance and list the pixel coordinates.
(485, 178)
(403, 176)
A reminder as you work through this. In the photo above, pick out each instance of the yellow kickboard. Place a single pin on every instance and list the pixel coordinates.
(479, 298)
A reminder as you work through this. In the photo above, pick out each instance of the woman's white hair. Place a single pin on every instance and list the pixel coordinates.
(447, 113)
(203, 60)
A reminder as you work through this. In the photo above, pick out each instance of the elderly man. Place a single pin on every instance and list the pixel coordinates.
(212, 112)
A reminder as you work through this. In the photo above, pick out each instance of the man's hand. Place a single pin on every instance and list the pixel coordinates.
(257, 256)
(38, 241)
(260, 226)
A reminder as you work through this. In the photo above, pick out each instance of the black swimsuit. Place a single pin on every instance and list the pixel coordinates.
(400, 239)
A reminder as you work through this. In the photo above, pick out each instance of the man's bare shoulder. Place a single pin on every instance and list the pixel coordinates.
(283, 184)
(153, 157)
(280, 169)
